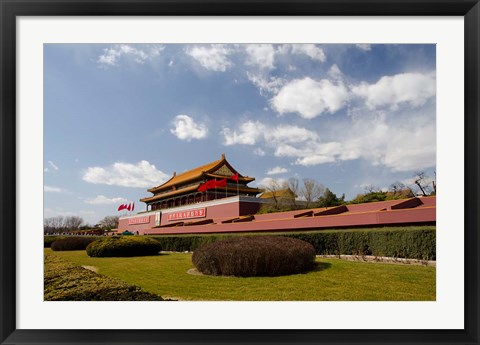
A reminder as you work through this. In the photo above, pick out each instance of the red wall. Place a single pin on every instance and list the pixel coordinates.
(372, 214)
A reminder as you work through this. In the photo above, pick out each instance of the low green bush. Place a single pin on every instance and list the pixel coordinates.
(48, 240)
(123, 246)
(415, 242)
(250, 256)
(64, 281)
(405, 243)
(72, 243)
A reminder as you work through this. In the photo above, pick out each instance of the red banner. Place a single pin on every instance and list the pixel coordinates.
(139, 220)
(197, 213)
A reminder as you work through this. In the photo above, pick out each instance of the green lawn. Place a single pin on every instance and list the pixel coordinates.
(333, 280)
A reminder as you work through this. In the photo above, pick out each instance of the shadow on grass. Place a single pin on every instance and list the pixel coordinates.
(321, 266)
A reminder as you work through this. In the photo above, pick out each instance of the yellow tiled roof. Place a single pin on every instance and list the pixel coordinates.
(172, 193)
(193, 176)
(188, 175)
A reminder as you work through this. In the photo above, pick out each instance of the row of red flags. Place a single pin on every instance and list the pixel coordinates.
(128, 207)
(214, 183)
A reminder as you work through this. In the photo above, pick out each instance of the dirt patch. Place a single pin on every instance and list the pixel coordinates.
(91, 268)
(194, 272)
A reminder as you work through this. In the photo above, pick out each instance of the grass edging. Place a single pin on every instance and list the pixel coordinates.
(381, 259)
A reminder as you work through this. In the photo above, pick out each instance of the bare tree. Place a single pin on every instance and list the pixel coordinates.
(294, 185)
(73, 223)
(54, 224)
(371, 189)
(109, 222)
(434, 182)
(59, 223)
(400, 190)
(273, 189)
(421, 181)
(311, 191)
(49, 225)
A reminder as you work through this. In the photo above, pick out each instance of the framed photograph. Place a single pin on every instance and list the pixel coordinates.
(112, 105)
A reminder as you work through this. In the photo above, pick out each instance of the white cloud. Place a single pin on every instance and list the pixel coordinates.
(335, 72)
(103, 200)
(391, 141)
(187, 129)
(412, 88)
(250, 132)
(247, 134)
(397, 144)
(259, 152)
(286, 150)
(311, 50)
(53, 165)
(288, 134)
(364, 46)
(277, 170)
(266, 85)
(213, 57)
(270, 181)
(260, 55)
(140, 175)
(315, 160)
(50, 189)
(310, 98)
(111, 56)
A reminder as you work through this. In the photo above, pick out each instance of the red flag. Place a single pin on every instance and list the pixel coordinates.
(133, 206)
(211, 184)
(234, 177)
(129, 206)
(221, 183)
(122, 207)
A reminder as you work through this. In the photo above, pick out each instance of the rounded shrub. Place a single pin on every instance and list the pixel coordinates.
(72, 243)
(120, 246)
(255, 256)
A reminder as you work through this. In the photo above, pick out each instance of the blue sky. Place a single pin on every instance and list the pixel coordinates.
(121, 118)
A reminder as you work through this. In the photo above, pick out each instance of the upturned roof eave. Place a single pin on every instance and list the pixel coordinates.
(180, 179)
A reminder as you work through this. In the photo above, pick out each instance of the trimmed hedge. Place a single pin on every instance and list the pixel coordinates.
(48, 240)
(409, 244)
(64, 281)
(251, 256)
(72, 243)
(124, 246)
(402, 242)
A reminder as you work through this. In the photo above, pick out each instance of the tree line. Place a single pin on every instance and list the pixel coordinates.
(63, 225)
(294, 194)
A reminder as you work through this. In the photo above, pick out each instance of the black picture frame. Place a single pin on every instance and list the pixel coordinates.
(10, 10)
